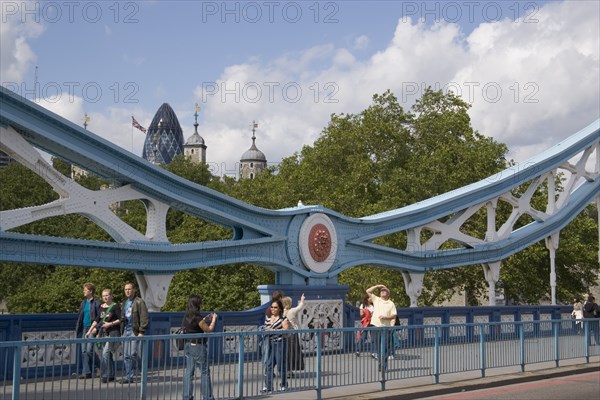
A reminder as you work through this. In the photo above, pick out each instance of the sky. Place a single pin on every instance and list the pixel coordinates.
(530, 70)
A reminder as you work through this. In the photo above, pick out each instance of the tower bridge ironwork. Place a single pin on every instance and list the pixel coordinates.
(306, 245)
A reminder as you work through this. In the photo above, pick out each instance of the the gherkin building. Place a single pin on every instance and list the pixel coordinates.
(164, 139)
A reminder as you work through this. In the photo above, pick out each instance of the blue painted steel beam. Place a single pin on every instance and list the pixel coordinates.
(266, 237)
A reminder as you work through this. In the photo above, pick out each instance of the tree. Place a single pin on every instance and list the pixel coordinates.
(385, 158)
(526, 275)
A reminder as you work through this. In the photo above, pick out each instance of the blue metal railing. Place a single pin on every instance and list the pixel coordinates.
(331, 359)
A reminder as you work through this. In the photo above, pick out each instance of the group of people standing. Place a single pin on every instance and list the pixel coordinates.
(109, 319)
(588, 309)
(281, 350)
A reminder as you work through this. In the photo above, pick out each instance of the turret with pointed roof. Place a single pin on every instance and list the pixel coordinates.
(195, 148)
(253, 161)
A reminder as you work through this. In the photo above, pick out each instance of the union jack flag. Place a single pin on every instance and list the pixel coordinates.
(137, 124)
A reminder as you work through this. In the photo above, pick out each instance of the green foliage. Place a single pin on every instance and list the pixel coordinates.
(526, 275)
(183, 167)
(23, 188)
(61, 290)
(363, 277)
(224, 288)
(62, 166)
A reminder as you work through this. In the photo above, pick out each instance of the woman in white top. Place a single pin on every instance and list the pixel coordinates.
(294, 359)
(577, 313)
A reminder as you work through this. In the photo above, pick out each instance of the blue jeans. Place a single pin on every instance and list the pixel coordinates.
(383, 345)
(107, 368)
(130, 353)
(277, 353)
(265, 346)
(196, 356)
(594, 330)
(87, 354)
(364, 343)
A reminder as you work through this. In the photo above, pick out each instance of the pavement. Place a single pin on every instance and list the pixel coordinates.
(423, 387)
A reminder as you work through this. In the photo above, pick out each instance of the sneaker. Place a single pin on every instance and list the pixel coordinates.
(282, 389)
(374, 356)
(390, 357)
(357, 354)
(125, 380)
(265, 390)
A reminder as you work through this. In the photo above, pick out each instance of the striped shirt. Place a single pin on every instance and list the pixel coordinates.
(277, 325)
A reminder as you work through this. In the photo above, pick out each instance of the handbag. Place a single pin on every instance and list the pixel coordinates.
(180, 342)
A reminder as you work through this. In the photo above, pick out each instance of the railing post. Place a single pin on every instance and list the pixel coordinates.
(319, 365)
(482, 349)
(522, 345)
(16, 371)
(556, 326)
(436, 355)
(586, 330)
(144, 381)
(383, 345)
(241, 367)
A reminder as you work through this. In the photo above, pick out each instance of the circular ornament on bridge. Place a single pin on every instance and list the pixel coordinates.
(318, 243)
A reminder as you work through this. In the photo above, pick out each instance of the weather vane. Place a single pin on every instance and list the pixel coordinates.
(86, 119)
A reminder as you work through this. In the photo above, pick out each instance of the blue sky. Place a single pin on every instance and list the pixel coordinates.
(530, 69)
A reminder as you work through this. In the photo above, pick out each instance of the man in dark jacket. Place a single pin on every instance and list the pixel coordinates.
(134, 323)
(590, 310)
(86, 321)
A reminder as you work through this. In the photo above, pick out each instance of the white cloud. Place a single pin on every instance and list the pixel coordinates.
(16, 55)
(548, 73)
(361, 42)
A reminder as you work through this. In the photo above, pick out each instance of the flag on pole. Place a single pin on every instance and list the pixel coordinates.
(137, 124)
(254, 124)
(197, 108)
(87, 118)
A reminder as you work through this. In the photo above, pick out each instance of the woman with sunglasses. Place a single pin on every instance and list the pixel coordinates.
(277, 351)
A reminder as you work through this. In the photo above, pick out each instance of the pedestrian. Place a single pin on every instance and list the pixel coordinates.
(109, 322)
(366, 312)
(591, 311)
(196, 350)
(134, 323)
(263, 342)
(276, 322)
(577, 314)
(89, 309)
(294, 356)
(384, 316)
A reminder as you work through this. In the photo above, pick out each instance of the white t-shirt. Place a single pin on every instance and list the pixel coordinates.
(385, 308)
